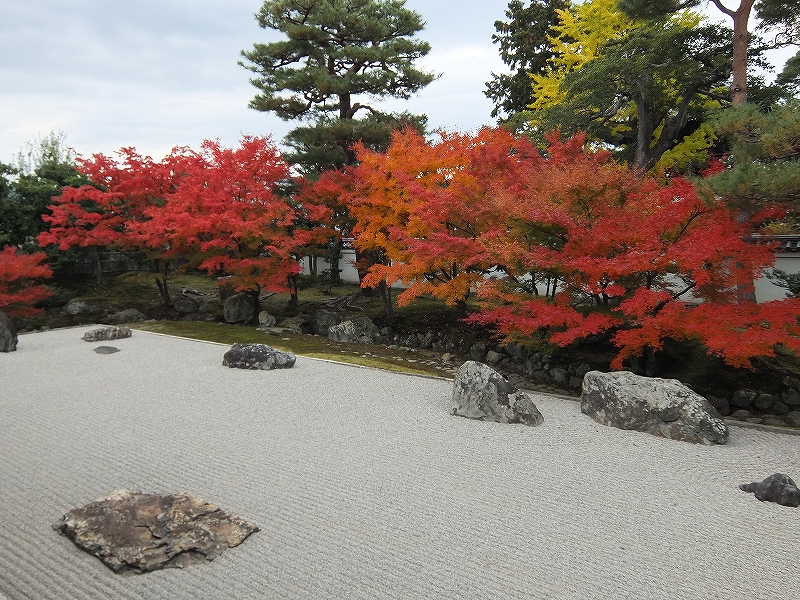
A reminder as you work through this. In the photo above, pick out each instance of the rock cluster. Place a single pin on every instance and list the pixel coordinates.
(132, 531)
(480, 392)
(355, 329)
(107, 333)
(663, 407)
(257, 356)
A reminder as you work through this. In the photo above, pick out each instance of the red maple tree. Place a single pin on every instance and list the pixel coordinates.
(102, 215)
(231, 213)
(19, 290)
(624, 255)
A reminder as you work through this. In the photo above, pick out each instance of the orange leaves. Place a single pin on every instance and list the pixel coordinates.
(18, 288)
(423, 207)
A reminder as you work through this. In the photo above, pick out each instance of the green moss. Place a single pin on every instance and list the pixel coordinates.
(391, 359)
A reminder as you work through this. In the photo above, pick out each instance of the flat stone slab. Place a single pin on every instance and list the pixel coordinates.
(132, 531)
(257, 356)
(106, 350)
(107, 333)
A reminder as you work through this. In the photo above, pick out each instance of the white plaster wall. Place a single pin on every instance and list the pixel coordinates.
(766, 290)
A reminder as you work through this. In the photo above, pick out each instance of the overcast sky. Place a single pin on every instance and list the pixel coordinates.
(154, 74)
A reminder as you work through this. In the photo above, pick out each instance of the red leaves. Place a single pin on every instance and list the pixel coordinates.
(222, 209)
(18, 290)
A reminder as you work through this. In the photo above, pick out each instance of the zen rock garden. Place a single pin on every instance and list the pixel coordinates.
(131, 531)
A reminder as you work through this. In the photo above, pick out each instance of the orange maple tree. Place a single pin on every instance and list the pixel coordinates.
(626, 256)
(19, 290)
(421, 208)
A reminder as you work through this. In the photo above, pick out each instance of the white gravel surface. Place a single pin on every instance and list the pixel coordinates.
(365, 487)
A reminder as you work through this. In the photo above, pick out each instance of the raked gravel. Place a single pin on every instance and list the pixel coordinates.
(365, 487)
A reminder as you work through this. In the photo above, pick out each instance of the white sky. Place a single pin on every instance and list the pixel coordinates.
(154, 74)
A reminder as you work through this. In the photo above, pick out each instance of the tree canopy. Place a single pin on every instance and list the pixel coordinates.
(778, 17)
(525, 48)
(641, 87)
(336, 54)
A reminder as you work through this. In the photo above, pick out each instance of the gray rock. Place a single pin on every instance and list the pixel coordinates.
(266, 320)
(778, 488)
(779, 408)
(663, 407)
(480, 392)
(185, 305)
(132, 531)
(77, 306)
(257, 356)
(721, 404)
(355, 329)
(239, 308)
(107, 333)
(764, 402)
(793, 418)
(744, 398)
(129, 315)
(293, 324)
(477, 351)
(493, 358)
(8, 335)
(560, 376)
(105, 350)
(791, 397)
(324, 319)
(740, 414)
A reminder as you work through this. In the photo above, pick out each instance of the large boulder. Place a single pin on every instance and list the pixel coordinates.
(663, 407)
(8, 335)
(129, 315)
(324, 319)
(239, 308)
(778, 488)
(257, 356)
(480, 392)
(355, 329)
(185, 305)
(299, 324)
(107, 333)
(132, 531)
(76, 307)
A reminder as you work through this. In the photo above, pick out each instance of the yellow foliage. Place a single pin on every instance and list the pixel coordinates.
(692, 150)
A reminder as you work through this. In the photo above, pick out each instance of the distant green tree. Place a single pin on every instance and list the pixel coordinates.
(336, 54)
(525, 48)
(27, 187)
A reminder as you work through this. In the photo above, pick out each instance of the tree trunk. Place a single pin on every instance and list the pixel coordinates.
(293, 297)
(388, 306)
(256, 304)
(162, 283)
(334, 257)
(97, 270)
(741, 42)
